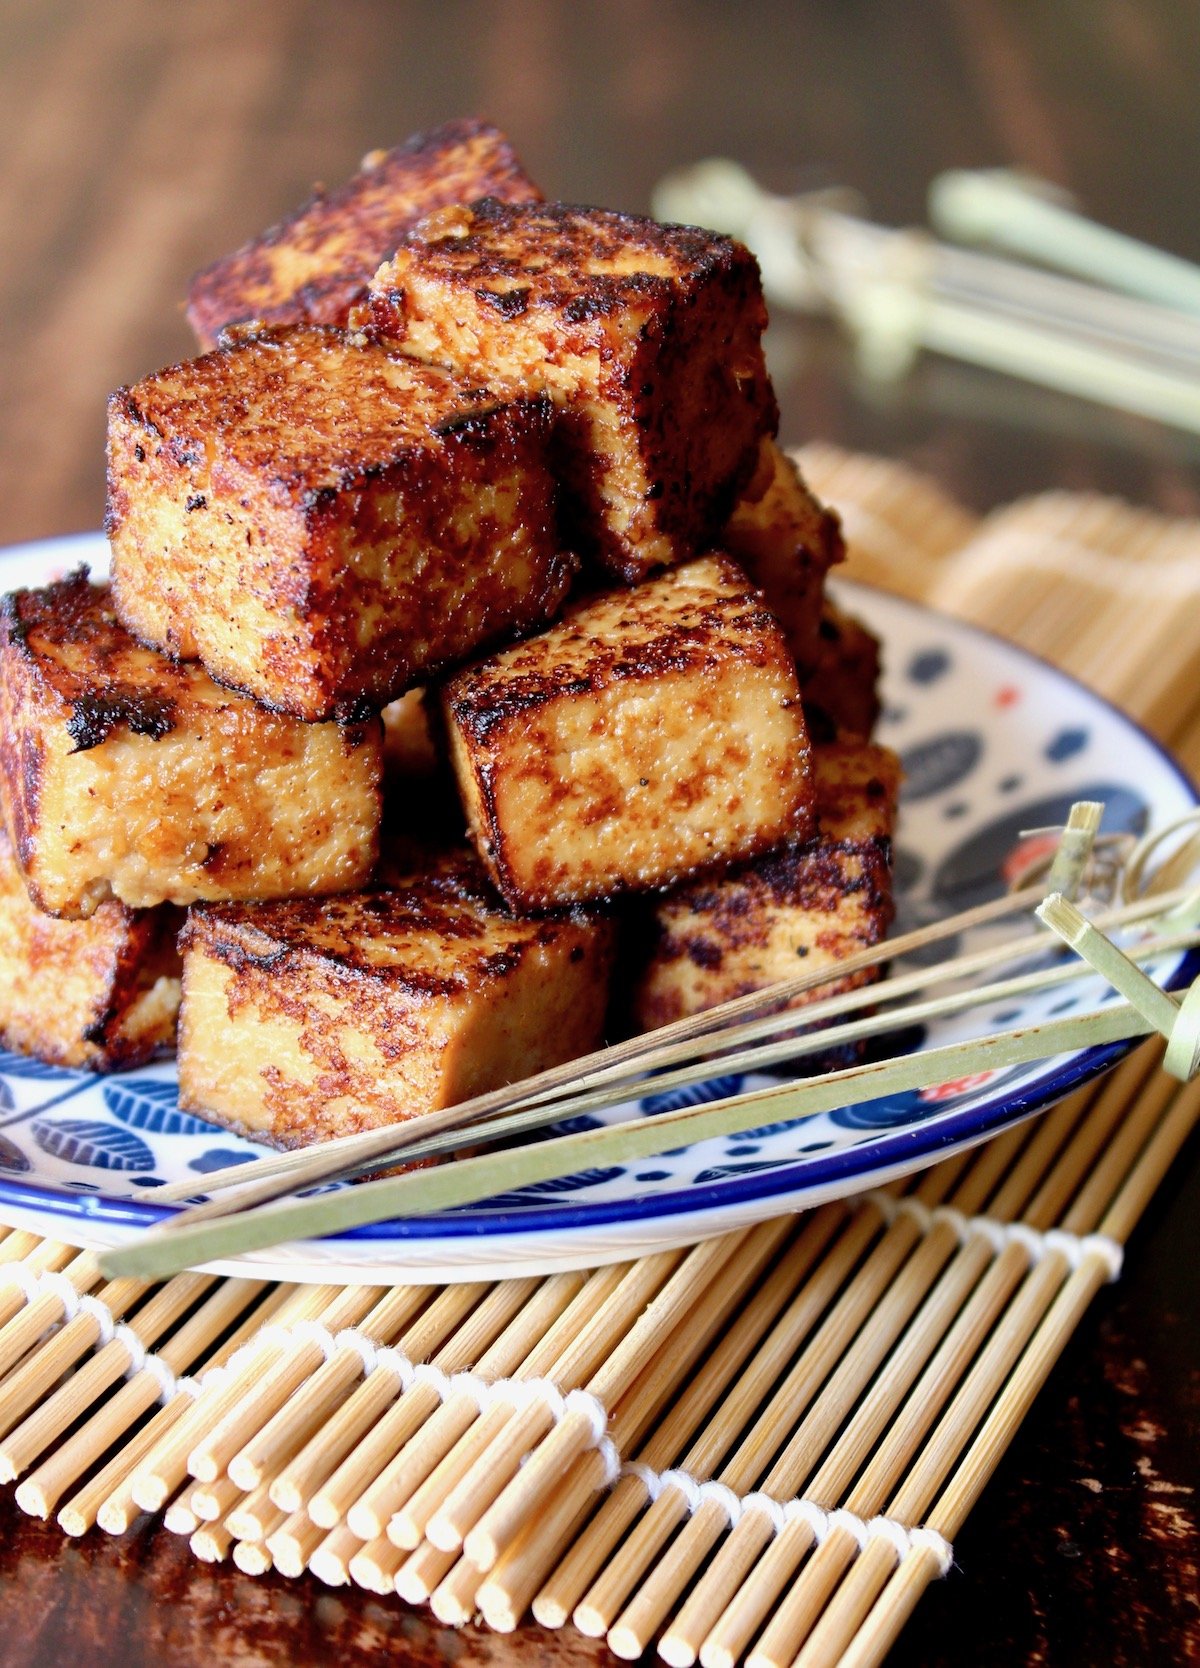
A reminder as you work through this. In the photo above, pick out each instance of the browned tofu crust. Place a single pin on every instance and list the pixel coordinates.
(648, 337)
(101, 994)
(307, 1020)
(652, 733)
(315, 264)
(841, 688)
(797, 909)
(787, 541)
(324, 523)
(125, 774)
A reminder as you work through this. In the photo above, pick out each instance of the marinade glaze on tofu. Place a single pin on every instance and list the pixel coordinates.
(314, 265)
(101, 993)
(649, 734)
(647, 337)
(127, 775)
(324, 524)
(311, 1019)
(795, 910)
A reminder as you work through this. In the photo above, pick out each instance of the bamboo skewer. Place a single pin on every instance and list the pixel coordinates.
(618, 1064)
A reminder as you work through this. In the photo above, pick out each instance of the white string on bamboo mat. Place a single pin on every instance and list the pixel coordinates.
(109, 1329)
(1038, 1243)
(821, 1521)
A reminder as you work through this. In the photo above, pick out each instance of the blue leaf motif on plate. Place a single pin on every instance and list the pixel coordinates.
(101, 1146)
(6, 1097)
(695, 1094)
(543, 1192)
(12, 1158)
(21, 1065)
(219, 1158)
(723, 1172)
(941, 762)
(152, 1106)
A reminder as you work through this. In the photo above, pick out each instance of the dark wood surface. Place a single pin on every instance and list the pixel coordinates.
(141, 138)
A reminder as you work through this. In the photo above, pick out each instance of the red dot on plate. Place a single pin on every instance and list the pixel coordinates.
(1007, 695)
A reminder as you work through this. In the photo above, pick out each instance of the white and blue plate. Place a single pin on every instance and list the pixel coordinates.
(993, 742)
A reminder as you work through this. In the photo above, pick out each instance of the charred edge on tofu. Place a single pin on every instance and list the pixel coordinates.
(223, 930)
(704, 253)
(482, 705)
(362, 237)
(73, 616)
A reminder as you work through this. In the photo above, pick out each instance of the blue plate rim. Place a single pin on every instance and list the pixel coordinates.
(904, 1146)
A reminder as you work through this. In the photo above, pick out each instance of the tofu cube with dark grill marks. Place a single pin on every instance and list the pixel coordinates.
(798, 909)
(323, 523)
(124, 774)
(787, 541)
(311, 1019)
(650, 734)
(101, 993)
(314, 265)
(647, 337)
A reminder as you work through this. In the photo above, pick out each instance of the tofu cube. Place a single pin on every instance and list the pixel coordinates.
(311, 1019)
(650, 734)
(127, 775)
(323, 524)
(314, 265)
(648, 338)
(787, 541)
(841, 691)
(797, 909)
(101, 993)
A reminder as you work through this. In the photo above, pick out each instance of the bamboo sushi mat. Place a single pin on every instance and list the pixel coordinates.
(759, 1449)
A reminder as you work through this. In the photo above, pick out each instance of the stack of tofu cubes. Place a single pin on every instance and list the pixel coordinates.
(466, 670)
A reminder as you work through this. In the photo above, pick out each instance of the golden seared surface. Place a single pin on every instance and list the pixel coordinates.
(648, 735)
(648, 337)
(102, 993)
(841, 691)
(787, 541)
(126, 775)
(796, 909)
(324, 523)
(307, 1020)
(315, 264)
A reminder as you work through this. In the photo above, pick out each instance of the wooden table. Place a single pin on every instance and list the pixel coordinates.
(140, 139)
